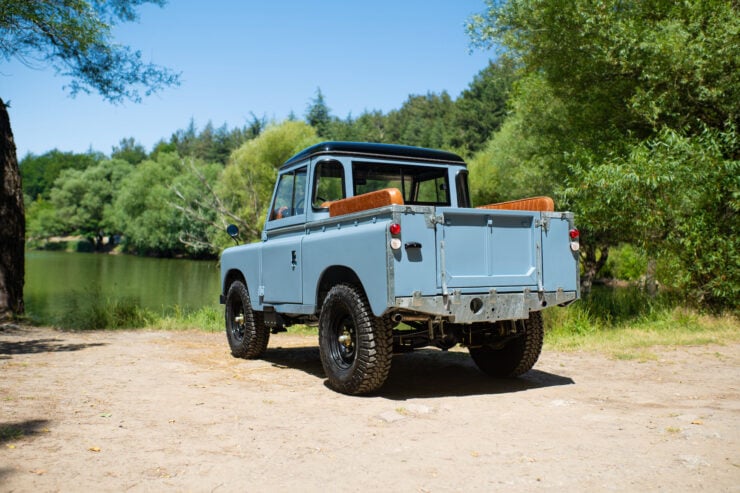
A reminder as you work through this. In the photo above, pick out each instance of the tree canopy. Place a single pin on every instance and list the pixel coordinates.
(75, 38)
(633, 107)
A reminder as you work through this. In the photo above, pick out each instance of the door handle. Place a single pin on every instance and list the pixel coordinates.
(293, 260)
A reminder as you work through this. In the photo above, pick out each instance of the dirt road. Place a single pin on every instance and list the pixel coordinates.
(154, 411)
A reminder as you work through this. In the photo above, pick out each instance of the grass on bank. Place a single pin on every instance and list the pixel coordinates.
(625, 324)
(622, 322)
(90, 311)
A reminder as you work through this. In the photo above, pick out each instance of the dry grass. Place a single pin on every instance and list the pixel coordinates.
(633, 339)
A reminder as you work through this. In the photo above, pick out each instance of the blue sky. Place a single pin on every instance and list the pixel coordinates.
(262, 57)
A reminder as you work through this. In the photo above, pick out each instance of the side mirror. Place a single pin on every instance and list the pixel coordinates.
(233, 231)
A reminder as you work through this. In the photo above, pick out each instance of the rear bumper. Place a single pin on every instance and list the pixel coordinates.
(489, 307)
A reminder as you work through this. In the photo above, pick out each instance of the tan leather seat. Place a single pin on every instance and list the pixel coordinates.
(543, 204)
(366, 201)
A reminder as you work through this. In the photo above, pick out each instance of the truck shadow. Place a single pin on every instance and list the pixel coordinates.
(434, 373)
(425, 373)
(305, 359)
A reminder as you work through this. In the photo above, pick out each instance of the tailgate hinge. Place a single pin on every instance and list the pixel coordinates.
(543, 222)
(432, 220)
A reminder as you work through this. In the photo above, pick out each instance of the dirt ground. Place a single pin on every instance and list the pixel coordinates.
(154, 411)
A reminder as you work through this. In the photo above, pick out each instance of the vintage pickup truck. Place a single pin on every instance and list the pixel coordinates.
(380, 247)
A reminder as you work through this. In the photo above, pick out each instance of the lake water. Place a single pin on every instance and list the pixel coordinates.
(57, 280)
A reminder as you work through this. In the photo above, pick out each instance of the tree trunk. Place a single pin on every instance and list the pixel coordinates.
(651, 283)
(592, 264)
(13, 221)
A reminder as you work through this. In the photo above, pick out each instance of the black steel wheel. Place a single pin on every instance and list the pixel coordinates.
(245, 328)
(356, 347)
(516, 356)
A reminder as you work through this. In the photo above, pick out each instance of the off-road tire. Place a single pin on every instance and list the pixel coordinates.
(515, 357)
(356, 347)
(245, 328)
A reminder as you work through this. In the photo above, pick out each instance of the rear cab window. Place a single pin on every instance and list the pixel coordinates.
(418, 184)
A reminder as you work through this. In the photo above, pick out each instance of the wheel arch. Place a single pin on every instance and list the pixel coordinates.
(332, 276)
(231, 276)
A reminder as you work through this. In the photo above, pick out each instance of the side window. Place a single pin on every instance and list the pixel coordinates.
(299, 194)
(290, 197)
(328, 183)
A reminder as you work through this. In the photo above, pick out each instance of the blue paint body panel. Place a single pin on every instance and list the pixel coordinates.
(488, 249)
(558, 259)
(359, 245)
(415, 268)
(282, 268)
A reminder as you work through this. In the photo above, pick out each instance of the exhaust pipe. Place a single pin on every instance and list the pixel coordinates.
(400, 317)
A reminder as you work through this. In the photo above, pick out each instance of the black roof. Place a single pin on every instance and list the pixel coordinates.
(376, 150)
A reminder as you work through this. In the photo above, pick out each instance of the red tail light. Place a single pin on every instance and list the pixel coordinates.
(574, 234)
(395, 229)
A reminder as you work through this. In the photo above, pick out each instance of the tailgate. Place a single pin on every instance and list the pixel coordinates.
(489, 249)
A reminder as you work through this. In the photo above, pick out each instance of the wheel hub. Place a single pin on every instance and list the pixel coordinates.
(345, 347)
(345, 339)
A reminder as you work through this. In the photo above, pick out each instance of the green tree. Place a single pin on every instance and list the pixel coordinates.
(83, 199)
(147, 212)
(162, 147)
(41, 219)
(371, 126)
(193, 198)
(482, 108)
(40, 172)
(211, 144)
(75, 38)
(526, 156)
(318, 114)
(422, 121)
(627, 67)
(140, 210)
(623, 76)
(692, 194)
(129, 150)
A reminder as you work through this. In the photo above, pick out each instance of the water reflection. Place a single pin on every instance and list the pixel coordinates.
(57, 280)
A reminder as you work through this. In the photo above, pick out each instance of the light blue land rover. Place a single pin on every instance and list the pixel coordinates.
(380, 247)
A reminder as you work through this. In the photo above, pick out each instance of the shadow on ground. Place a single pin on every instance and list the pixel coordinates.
(433, 373)
(36, 346)
(305, 359)
(425, 373)
(12, 432)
